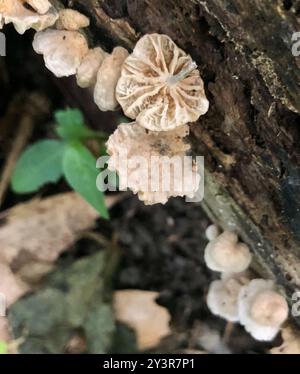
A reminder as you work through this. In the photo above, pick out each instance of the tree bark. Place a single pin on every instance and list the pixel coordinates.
(250, 137)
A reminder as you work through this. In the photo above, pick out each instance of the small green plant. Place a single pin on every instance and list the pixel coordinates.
(48, 160)
(3, 348)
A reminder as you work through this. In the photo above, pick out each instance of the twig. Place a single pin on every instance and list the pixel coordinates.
(35, 106)
(228, 332)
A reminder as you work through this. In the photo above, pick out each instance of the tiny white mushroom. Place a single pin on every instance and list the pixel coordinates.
(87, 72)
(144, 159)
(63, 51)
(262, 310)
(212, 232)
(70, 19)
(160, 85)
(222, 297)
(41, 16)
(107, 78)
(226, 254)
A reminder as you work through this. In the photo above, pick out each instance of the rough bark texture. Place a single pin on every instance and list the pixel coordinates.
(250, 136)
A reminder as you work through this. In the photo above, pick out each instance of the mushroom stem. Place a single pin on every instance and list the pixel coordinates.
(183, 73)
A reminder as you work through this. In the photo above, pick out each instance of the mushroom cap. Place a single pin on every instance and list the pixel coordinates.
(63, 51)
(262, 310)
(212, 232)
(148, 155)
(107, 78)
(222, 297)
(160, 86)
(70, 19)
(225, 254)
(14, 11)
(87, 72)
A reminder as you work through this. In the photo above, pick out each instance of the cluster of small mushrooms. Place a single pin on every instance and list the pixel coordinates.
(237, 297)
(158, 86)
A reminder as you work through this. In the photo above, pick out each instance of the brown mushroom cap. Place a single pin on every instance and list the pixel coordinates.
(160, 86)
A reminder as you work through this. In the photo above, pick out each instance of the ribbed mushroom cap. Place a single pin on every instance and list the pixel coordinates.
(160, 85)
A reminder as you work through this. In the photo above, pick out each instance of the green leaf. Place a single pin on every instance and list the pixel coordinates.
(70, 125)
(3, 348)
(80, 170)
(40, 163)
(68, 117)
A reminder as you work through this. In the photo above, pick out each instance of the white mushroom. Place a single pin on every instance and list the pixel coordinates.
(63, 51)
(225, 254)
(152, 164)
(262, 310)
(160, 85)
(70, 19)
(87, 72)
(41, 16)
(222, 297)
(107, 78)
(212, 232)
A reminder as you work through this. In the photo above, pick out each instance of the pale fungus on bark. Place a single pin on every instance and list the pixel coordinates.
(72, 20)
(35, 14)
(222, 297)
(262, 310)
(160, 86)
(63, 51)
(226, 254)
(152, 164)
(86, 75)
(107, 78)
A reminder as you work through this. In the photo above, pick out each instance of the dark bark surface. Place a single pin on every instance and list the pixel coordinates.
(250, 136)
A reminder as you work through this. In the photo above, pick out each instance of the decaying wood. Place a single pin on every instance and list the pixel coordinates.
(250, 136)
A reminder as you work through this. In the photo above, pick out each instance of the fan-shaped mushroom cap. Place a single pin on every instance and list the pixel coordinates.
(142, 159)
(87, 72)
(291, 343)
(63, 51)
(41, 16)
(70, 19)
(262, 310)
(107, 78)
(225, 254)
(160, 85)
(222, 297)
